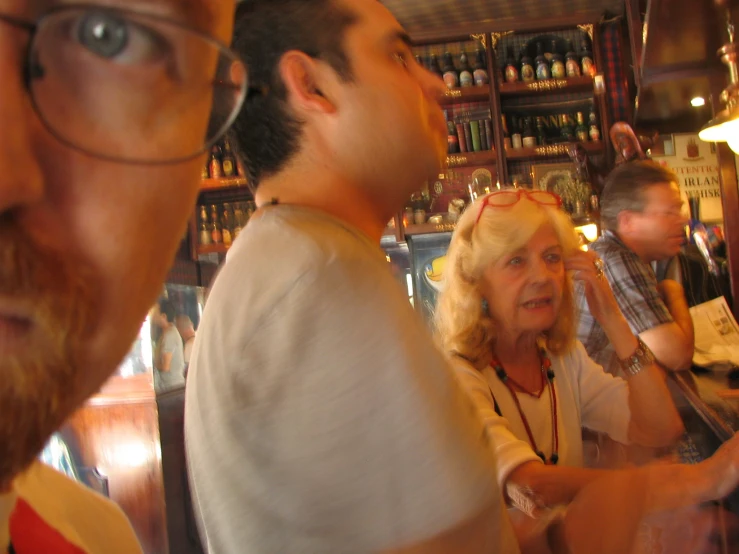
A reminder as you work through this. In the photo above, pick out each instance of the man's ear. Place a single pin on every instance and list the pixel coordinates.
(305, 81)
(625, 221)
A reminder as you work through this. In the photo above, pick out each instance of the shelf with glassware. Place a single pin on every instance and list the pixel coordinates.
(464, 67)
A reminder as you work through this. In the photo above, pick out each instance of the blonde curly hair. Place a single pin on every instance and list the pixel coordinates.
(463, 328)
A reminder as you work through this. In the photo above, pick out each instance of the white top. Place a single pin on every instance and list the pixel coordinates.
(319, 416)
(586, 397)
(48, 512)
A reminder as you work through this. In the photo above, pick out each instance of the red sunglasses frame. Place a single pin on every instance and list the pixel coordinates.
(519, 193)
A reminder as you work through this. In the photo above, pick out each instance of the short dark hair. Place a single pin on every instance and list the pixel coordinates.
(265, 134)
(167, 308)
(625, 186)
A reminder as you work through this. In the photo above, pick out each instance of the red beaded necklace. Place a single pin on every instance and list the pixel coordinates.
(546, 369)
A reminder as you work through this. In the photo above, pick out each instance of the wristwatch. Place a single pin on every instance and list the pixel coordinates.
(641, 358)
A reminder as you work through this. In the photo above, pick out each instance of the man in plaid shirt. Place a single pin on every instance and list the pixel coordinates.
(642, 214)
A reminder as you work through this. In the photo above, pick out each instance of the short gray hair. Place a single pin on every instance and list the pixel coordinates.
(625, 186)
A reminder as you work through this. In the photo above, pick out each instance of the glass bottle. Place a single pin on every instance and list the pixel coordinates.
(227, 224)
(480, 74)
(215, 166)
(511, 71)
(434, 66)
(572, 65)
(529, 138)
(541, 134)
(465, 74)
(204, 235)
(586, 59)
(451, 77)
(516, 139)
(204, 172)
(238, 219)
(565, 128)
(528, 75)
(506, 134)
(452, 138)
(216, 232)
(581, 131)
(229, 161)
(593, 130)
(542, 65)
(549, 51)
(558, 64)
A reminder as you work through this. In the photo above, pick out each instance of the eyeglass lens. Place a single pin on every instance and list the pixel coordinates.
(112, 83)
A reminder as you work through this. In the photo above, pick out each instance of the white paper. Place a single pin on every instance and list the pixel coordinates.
(716, 335)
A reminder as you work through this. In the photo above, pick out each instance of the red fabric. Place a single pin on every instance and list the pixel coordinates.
(30, 534)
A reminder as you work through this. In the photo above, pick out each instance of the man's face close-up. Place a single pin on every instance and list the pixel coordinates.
(94, 101)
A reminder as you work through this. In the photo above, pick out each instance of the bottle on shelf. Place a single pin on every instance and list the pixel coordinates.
(528, 75)
(475, 135)
(542, 65)
(480, 74)
(572, 64)
(593, 130)
(566, 130)
(506, 134)
(452, 138)
(586, 59)
(227, 224)
(238, 220)
(229, 161)
(558, 65)
(581, 131)
(549, 51)
(216, 232)
(451, 77)
(215, 166)
(516, 139)
(420, 61)
(465, 74)
(528, 138)
(541, 134)
(434, 66)
(511, 70)
(204, 235)
(204, 172)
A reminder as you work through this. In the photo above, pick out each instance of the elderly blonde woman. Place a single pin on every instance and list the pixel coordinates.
(506, 318)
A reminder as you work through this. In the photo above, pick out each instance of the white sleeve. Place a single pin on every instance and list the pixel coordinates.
(509, 450)
(604, 398)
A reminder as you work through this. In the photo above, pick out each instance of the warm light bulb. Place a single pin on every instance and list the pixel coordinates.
(734, 144)
(698, 101)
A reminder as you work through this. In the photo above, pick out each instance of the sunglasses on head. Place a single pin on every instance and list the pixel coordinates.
(508, 198)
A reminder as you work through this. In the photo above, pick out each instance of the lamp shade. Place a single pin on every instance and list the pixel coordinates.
(723, 127)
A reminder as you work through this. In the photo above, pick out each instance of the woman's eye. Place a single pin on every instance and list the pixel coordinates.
(515, 261)
(553, 258)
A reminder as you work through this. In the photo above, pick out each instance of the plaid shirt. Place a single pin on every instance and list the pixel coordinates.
(635, 287)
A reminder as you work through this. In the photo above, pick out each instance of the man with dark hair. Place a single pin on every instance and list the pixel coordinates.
(107, 113)
(169, 356)
(644, 220)
(319, 416)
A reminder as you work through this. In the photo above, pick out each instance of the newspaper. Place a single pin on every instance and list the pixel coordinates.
(716, 335)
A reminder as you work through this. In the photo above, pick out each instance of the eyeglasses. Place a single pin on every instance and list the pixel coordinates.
(507, 198)
(130, 87)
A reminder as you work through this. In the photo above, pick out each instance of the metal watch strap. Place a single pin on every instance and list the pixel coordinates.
(641, 358)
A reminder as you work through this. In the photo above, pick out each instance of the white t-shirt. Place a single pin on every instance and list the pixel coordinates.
(586, 397)
(319, 416)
